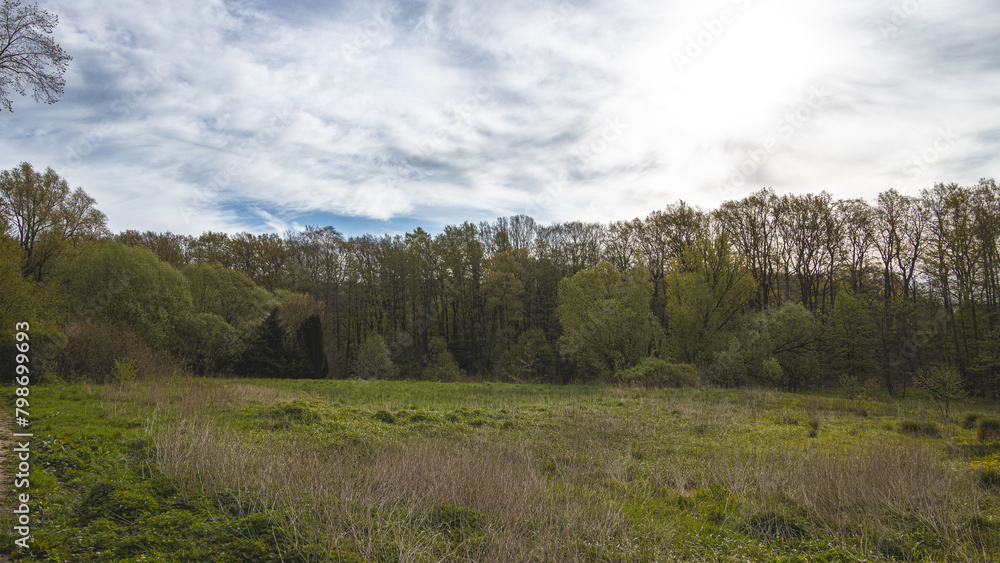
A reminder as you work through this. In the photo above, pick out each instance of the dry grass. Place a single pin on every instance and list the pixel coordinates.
(557, 494)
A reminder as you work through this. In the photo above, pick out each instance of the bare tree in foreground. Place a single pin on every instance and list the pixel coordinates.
(29, 58)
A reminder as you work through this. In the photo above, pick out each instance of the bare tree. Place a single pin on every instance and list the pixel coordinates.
(29, 58)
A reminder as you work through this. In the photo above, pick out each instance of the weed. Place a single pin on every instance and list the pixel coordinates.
(775, 526)
(915, 428)
(384, 416)
(988, 429)
(969, 421)
(989, 480)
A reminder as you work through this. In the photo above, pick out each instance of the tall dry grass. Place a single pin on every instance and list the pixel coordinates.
(557, 495)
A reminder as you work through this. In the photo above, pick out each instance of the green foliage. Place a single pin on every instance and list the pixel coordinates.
(309, 339)
(384, 416)
(227, 293)
(23, 300)
(131, 286)
(915, 428)
(296, 411)
(374, 361)
(441, 365)
(270, 353)
(531, 359)
(96, 487)
(988, 429)
(654, 372)
(210, 344)
(854, 387)
(43, 214)
(772, 525)
(776, 348)
(124, 372)
(607, 324)
(969, 421)
(943, 383)
(989, 479)
(457, 523)
(92, 351)
(851, 336)
(708, 291)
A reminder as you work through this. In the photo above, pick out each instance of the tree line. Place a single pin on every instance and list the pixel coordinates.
(790, 291)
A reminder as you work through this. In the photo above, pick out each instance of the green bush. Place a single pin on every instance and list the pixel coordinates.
(441, 365)
(93, 352)
(384, 416)
(988, 429)
(374, 360)
(969, 421)
(654, 372)
(915, 428)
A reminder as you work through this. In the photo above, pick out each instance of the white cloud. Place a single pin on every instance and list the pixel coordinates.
(464, 110)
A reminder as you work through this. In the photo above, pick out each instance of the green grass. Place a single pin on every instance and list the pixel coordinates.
(238, 470)
(97, 496)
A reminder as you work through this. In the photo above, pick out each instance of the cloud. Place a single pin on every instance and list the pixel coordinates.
(231, 115)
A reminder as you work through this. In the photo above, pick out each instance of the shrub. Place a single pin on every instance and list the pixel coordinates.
(969, 421)
(441, 366)
(92, 352)
(853, 386)
(943, 383)
(988, 429)
(915, 428)
(530, 359)
(813, 427)
(124, 371)
(655, 372)
(374, 360)
(384, 416)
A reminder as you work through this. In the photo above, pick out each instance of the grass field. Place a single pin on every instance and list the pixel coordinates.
(251, 470)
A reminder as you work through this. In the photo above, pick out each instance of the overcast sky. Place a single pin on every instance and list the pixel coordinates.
(191, 115)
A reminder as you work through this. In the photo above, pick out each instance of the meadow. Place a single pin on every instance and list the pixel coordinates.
(324, 470)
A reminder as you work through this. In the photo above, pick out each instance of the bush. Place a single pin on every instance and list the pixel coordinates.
(441, 365)
(969, 421)
(654, 372)
(813, 427)
(93, 352)
(915, 428)
(384, 416)
(988, 429)
(374, 361)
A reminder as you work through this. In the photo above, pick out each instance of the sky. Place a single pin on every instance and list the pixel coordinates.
(379, 117)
